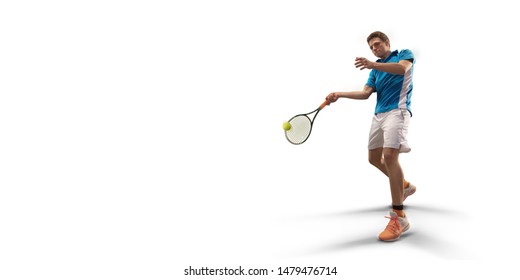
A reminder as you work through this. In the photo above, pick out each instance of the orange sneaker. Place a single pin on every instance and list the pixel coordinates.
(409, 190)
(395, 227)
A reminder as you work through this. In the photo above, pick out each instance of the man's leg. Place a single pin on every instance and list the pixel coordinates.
(376, 158)
(395, 174)
(398, 221)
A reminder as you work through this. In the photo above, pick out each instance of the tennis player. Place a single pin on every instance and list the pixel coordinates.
(391, 78)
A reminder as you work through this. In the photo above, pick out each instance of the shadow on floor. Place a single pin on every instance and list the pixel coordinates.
(414, 239)
(417, 240)
(383, 209)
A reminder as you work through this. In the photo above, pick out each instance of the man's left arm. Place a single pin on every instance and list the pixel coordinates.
(393, 68)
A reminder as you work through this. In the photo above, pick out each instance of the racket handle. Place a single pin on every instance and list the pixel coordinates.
(325, 103)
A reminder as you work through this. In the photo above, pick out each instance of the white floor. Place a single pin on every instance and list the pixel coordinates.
(323, 233)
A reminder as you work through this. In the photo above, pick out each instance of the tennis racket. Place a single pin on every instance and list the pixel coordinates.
(301, 126)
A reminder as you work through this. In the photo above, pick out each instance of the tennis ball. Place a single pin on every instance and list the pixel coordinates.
(286, 126)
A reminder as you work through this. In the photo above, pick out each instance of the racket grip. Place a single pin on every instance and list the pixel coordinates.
(325, 103)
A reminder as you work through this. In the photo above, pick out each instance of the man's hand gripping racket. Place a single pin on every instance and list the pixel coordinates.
(298, 128)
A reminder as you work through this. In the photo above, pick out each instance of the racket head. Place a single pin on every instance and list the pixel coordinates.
(301, 126)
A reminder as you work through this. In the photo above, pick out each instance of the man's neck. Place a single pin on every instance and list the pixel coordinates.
(385, 56)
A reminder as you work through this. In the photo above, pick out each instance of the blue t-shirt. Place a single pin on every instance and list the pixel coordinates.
(393, 91)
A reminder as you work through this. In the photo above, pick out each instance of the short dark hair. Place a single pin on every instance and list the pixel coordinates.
(378, 34)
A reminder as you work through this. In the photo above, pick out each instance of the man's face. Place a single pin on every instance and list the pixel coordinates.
(379, 48)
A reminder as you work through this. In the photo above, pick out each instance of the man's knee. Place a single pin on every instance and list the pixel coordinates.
(391, 155)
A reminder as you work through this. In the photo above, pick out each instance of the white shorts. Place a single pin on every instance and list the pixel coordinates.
(389, 130)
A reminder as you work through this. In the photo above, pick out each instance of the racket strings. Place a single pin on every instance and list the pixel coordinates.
(300, 129)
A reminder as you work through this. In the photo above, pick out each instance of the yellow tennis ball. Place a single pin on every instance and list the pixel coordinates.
(286, 126)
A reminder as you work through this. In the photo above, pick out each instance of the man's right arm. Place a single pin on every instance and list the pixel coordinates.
(364, 94)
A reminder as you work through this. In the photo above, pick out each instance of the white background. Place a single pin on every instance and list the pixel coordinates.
(138, 138)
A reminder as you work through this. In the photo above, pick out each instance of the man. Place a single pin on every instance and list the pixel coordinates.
(391, 78)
